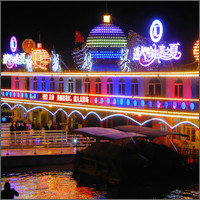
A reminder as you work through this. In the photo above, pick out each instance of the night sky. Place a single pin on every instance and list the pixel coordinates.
(57, 22)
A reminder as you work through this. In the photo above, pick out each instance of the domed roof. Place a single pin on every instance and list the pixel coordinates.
(106, 35)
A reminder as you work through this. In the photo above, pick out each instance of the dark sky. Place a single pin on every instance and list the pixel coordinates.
(58, 20)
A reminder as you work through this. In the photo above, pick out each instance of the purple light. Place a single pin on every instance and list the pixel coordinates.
(174, 105)
(13, 44)
(158, 104)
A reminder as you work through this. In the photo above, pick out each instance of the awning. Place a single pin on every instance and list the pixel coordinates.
(107, 133)
(149, 132)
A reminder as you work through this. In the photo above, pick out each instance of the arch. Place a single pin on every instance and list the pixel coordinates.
(39, 107)
(87, 80)
(134, 80)
(19, 106)
(178, 80)
(51, 79)
(154, 80)
(60, 109)
(35, 78)
(98, 80)
(121, 80)
(109, 80)
(43, 78)
(94, 114)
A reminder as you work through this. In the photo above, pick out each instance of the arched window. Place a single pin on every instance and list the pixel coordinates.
(121, 86)
(35, 83)
(109, 86)
(61, 85)
(17, 83)
(87, 85)
(52, 84)
(178, 88)
(98, 86)
(43, 88)
(134, 87)
(70, 86)
(154, 87)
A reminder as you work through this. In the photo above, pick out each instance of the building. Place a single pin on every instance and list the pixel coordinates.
(118, 82)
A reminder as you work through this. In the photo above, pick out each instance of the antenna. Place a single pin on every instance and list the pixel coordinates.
(106, 7)
(39, 36)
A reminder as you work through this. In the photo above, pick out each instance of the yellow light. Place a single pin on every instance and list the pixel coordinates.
(196, 50)
(104, 74)
(40, 57)
(106, 18)
(164, 113)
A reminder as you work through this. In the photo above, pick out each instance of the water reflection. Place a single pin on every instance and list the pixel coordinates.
(61, 185)
(49, 185)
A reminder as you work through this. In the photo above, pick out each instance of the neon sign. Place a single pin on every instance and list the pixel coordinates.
(14, 59)
(124, 60)
(147, 55)
(87, 64)
(65, 98)
(55, 62)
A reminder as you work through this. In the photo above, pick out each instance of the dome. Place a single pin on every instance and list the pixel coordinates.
(106, 35)
(40, 57)
(106, 41)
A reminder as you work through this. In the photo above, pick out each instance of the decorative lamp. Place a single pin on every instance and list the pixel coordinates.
(196, 50)
(28, 45)
(40, 58)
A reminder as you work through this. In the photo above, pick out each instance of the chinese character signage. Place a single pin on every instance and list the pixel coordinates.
(64, 98)
(148, 55)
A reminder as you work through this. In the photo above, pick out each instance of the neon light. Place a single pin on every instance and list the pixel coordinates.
(39, 107)
(102, 100)
(150, 104)
(156, 31)
(124, 60)
(114, 101)
(158, 104)
(192, 106)
(121, 101)
(104, 74)
(142, 103)
(3, 119)
(87, 65)
(108, 101)
(18, 105)
(29, 66)
(128, 102)
(64, 97)
(109, 109)
(174, 106)
(148, 55)
(13, 44)
(55, 62)
(196, 50)
(95, 100)
(183, 105)
(135, 102)
(166, 104)
(14, 59)
(113, 115)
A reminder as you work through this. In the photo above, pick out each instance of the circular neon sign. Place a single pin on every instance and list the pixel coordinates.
(13, 44)
(156, 30)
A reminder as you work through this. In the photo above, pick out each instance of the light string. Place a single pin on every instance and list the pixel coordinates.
(101, 119)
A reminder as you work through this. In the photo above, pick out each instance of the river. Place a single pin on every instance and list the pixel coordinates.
(59, 184)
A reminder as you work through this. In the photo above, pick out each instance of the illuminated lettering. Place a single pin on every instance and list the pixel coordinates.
(124, 60)
(87, 65)
(148, 55)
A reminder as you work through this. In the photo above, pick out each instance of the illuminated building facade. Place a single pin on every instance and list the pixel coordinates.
(108, 91)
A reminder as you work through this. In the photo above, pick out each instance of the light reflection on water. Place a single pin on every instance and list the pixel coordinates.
(61, 185)
(49, 185)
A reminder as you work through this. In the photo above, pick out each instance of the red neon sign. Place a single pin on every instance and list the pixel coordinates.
(65, 98)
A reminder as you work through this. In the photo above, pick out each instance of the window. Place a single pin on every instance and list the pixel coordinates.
(134, 87)
(178, 130)
(98, 86)
(109, 86)
(35, 83)
(70, 86)
(43, 84)
(191, 134)
(178, 88)
(121, 86)
(17, 83)
(52, 83)
(154, 87)
(87, 85)
(61, 85)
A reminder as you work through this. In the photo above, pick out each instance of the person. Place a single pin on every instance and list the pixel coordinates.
(12, 133)
(8, 193)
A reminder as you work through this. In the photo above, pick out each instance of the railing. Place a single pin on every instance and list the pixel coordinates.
(42, 139)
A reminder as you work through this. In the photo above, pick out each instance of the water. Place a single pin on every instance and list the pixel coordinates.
(60, 185)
